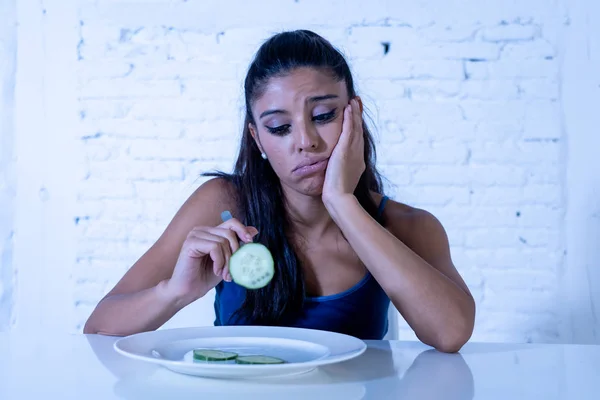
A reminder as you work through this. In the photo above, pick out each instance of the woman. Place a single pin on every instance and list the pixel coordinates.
(304, 185)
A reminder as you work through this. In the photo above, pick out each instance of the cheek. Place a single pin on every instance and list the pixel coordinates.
(331, 133)
(276, 149)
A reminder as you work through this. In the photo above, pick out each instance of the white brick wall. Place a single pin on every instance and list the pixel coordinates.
(8, 47)
(466, 104)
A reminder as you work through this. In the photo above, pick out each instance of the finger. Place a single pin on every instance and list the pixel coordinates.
(245, 233)
(346, 125)
(216, 254)
(357, 118)
(208, 242)
(228, 235)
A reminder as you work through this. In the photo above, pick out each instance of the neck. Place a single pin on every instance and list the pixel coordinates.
(308, 215)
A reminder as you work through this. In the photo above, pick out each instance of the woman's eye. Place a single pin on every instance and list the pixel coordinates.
(279, 130)
(324, 117)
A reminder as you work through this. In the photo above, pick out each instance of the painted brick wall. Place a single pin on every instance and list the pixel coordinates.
(8, 49)
(465, 97)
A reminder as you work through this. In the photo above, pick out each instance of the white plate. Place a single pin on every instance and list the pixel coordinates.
(302, 349)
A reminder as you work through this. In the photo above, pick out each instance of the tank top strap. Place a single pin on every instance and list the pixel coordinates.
(382, 206)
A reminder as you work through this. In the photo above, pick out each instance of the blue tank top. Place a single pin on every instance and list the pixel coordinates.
(361, 311)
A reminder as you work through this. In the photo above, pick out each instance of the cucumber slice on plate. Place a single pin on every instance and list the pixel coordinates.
(213, 355)
(252, 266)
(258, 360)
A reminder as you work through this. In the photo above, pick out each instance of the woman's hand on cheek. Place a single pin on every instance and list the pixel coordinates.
(347, 161)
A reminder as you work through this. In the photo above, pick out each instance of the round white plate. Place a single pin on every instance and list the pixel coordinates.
(302, 349)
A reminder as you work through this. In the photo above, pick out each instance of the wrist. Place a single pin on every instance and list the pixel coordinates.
(170, 295)
(335, 204)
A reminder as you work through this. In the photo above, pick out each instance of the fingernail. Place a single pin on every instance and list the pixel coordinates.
(248, 237)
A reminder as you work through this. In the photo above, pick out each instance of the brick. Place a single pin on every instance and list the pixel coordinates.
(513, 237)
(103, 69)
(384, 89)
(194, 68)
(441, 174)
(182, 109)
(543, 120)
(498, 237)
(549, 239)
(546, 194)
(537, 49)
(500, 131)
(474, 217)
(423, 196)
(117, 250)
(497, 175)
(387, 68)
(423, 153)
(536, 151)
(182, 150)
(105, 108)
(136, 170)
(510, 260)
(507, 33)
(211, 130)
(128, 209)
(544, 173)
(453, 32)
(494, 110)
(524, 153)
(538, 89)
(519, 300)
(100, 189)
(131, 129)
(538, 216)
(128, 88)
(505, 69)
(497, 195)
(520, 281)
(489, 90)
(207, 89)
(156, 190)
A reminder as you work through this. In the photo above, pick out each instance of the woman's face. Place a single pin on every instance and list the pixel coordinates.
(298, 122)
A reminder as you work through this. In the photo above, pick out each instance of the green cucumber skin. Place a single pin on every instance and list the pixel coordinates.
(228, 356)
(252, 360)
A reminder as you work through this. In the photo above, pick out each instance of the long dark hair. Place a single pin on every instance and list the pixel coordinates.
(258, 189)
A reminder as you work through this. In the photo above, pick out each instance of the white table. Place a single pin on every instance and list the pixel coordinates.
(87, 367)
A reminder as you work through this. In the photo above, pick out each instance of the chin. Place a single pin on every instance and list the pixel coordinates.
(312, 186)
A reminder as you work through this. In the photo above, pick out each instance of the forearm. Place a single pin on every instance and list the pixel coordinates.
(126, 314)
(440, 312)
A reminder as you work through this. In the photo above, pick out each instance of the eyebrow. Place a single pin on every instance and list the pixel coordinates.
(314, 99)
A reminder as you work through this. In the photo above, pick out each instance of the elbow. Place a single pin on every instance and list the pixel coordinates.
(88, 328)
(453, 339)
(452, 344)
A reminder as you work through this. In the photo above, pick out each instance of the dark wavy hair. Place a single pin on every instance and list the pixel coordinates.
(258, 189)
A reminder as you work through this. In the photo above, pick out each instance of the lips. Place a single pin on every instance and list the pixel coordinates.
(311, 166)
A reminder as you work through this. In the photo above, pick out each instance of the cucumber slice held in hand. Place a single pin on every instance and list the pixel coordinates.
(213, 355)
(258, 360)
(252, 266)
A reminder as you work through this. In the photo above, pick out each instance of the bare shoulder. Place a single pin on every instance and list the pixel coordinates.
(424, 234)
(419, 229)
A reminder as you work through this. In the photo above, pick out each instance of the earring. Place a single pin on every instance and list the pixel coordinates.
(263, 155)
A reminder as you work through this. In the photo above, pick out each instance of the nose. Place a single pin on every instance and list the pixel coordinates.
(307, 138)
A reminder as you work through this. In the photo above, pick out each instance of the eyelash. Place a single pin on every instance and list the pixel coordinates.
(320, 119)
